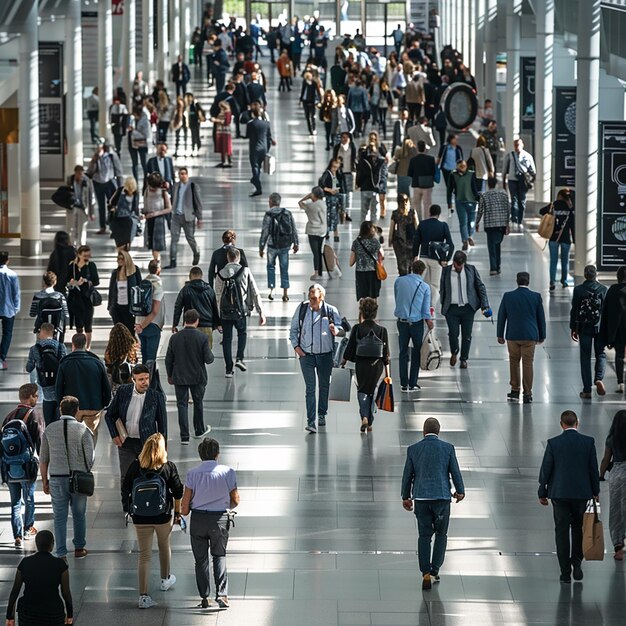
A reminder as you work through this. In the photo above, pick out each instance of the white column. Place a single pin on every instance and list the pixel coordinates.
(147, 56)
(491, 48)
(543, 99)
(105, 64)
(465, 31)
(471, 41)
(74, 83)
(480, 31)
(130, 50)
(458, 24)
(185, 33)
(163, 54)
(587, 100)
(28, 101)
(513, 43)
(175, 40)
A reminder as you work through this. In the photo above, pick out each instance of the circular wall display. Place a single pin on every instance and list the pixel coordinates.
(460, 105)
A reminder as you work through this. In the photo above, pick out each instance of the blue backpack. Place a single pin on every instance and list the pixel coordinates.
(19, 459)
(149, 494)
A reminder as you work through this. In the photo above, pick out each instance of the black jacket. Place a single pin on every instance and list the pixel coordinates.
(347, 167)
(219, 260)
(422, 170)
(187, 353)
(59, 263)
(368, 173)
(83, 375)
(582, 291)
(309, 93)
(398, 135)
(198, 295)
(256, 93)
(563, 221)
(132, 281)
(613, 323)
(259, 135)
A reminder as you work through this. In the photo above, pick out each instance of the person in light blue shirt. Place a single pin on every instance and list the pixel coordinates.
(314, 326)
(9, 305)
(412, 296)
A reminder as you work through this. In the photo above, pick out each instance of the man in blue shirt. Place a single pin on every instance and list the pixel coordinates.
(314, 327)
(430, 464)
(9, 305)
(412, 295)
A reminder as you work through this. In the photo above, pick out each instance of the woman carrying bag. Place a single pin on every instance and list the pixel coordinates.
(401, 232)
(400, 165)
(329, 182)
(82, 295)
(123, 278)
(156, 206)
(366, 253)
(368, 348)
(153, 474)
(124, 214)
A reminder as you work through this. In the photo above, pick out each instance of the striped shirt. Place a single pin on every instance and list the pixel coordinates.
(79, 447)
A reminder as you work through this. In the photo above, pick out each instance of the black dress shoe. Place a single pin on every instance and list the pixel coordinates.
(513, 396)
(528, 398)
(171, 266)
(577, 571)
(565, 579)
(196, 259)
(463, 364)
(255, 193)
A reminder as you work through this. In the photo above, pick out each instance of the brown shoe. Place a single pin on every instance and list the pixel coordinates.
(470, 241)
(600, 388)
(584, 396)
(81, 553)
(463, 365)
(452, 360)
(426, 582)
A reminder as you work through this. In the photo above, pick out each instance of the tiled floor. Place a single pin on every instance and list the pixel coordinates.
(321, 536)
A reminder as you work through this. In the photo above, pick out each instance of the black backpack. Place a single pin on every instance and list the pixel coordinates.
(590, 309)
(232, 306)
(49, 368)
(280, 229)
(141, 298)
(121, 372)
(50, 311)
(370, 347)
(149, 494)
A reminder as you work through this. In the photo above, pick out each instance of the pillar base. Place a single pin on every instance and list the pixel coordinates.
(30, 247)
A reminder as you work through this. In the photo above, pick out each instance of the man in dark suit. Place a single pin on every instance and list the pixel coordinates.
(187, 353)
(521, 312)
(256, 91)
(569, 477)
(424, 174)
(241, 97)
(259, 135)
(430, 464)
(400, 129)
(220, 65)
(161, 164)
(584, 323)
(613, 324)
(180, 75)
(219, 258)
(462, 293)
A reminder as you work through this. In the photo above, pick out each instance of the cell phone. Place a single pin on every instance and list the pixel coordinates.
(183, 524)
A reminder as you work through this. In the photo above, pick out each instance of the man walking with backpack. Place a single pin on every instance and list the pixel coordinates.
(20, 443)
(50, 306)
(82, 374)
(237, 294)
(148, 305)
(187, 354)
(584, 323)
(44, 359)
(9, 305)
(279, 233)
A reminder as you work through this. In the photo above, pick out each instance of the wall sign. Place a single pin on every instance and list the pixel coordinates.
(527, 99)
(564, 168)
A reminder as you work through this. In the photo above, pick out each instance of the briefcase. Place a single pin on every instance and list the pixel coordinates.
(340, 384)
(269, 164)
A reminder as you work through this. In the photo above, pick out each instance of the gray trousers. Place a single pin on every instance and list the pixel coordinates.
(369, 200)
(209, 531)
(178, 222)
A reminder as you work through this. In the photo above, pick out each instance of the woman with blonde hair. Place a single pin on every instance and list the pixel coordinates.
(164, 110)
(179, 123)
(481, 162)
(223, 139)
(401, 232)
(402, 157)
(124, 214)
(119, 356)
(150, 476)
(123, 278)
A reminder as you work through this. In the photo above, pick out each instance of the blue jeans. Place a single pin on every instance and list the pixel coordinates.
(149, 337)
(460, 317)
(62, 499)
(494, 240)
(26, 490)
(517, 191)
(557, 248)
(466, 212)
(227, 340)
(433, 517)
(7, 335)
(588, 340)
(256, 162)
(415, 333)
(283, 262)
(322, 364)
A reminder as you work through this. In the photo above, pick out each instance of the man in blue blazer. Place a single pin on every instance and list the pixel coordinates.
(569, 477)
(161, 164)
(430, 464)
(521, 313)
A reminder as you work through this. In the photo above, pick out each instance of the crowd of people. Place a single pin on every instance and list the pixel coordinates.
(367, 96)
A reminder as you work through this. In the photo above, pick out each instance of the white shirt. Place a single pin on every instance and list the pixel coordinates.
(161, 164)
(133, 415)
(456, 297)
(122, 292)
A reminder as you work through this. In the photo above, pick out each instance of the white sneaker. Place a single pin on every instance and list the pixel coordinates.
(620, 388)
(229, 374)
(145, 602)
(336, 273)
(167, 583)
(316, 277)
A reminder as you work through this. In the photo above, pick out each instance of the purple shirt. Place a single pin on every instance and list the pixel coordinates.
(211, 485)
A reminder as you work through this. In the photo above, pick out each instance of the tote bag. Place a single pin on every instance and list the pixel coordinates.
(384, 397)
(340, 385)
(546, 225)
(593, 534)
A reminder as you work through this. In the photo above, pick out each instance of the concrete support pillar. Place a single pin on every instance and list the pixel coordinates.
(458, 24)
(587, 101)
(337, 18)
(185, 32)
(147, 51)
(105, 65)
(248, 12)
(74, 82)
(513, 43)
(163, 43)
(129, 51)
(491, 48)
(480, 32)
(465, 30)
(28, 101)
(175, 39)
(543, 99)
(471, 41)
(363, 18)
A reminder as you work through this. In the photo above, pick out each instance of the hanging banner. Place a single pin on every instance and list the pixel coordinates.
(51, 110)
(612, 196)
(527, 99)
(564, 169)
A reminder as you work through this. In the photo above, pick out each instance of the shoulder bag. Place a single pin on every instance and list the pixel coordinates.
(80, 482)
(381, 272)
(370, 347)
(93, 294)
(546, 225)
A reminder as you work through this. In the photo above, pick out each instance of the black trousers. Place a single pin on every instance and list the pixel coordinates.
(568, 515)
